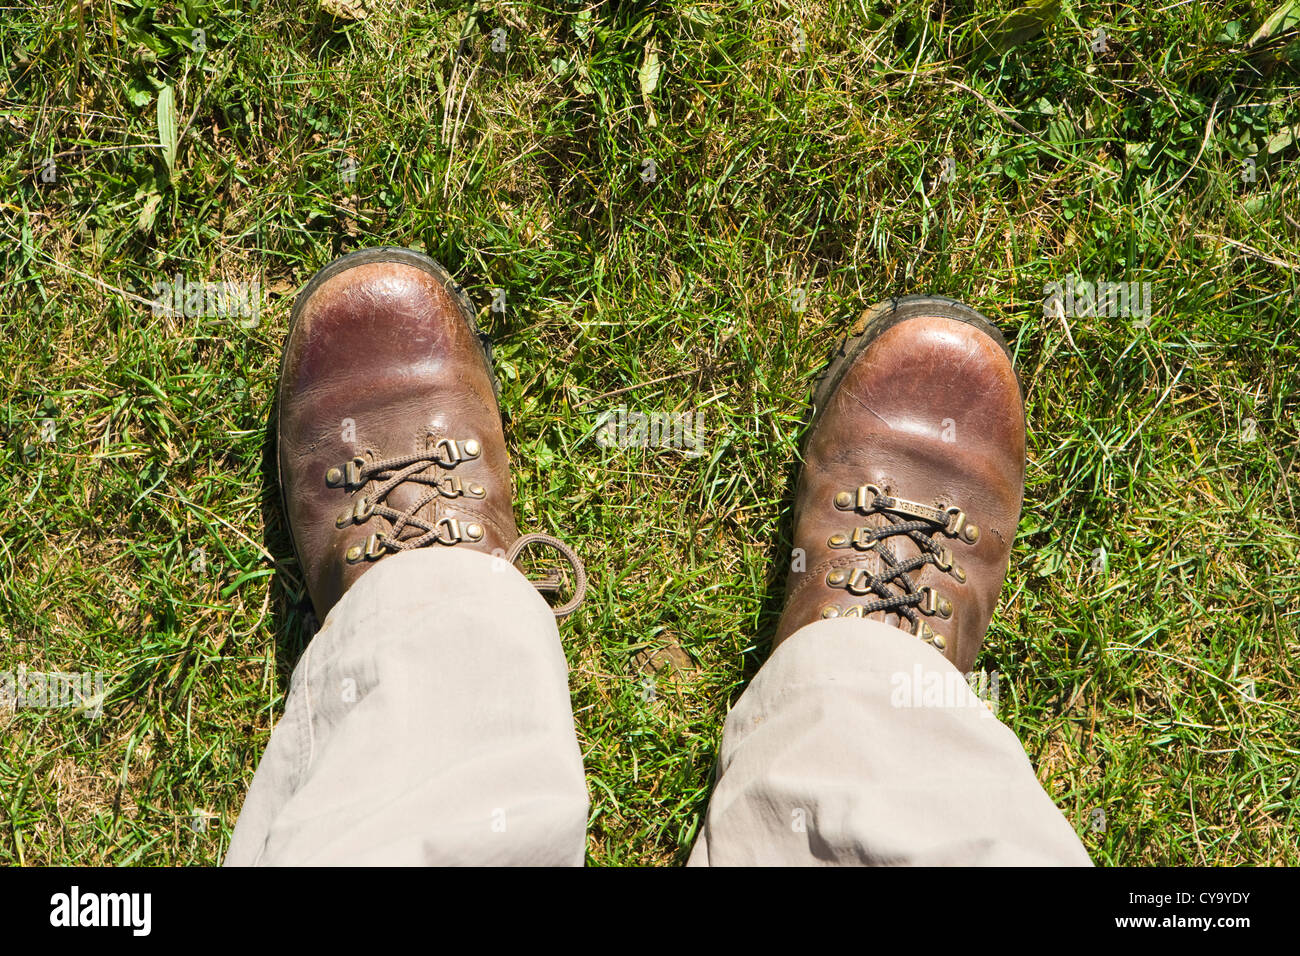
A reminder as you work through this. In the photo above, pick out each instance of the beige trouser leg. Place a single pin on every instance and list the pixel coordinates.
(428, 722)
(857, 743)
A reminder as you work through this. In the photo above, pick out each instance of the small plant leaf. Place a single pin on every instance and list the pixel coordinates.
(649, 72)
(167, 126)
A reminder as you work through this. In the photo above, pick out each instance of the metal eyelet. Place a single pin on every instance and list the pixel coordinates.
(929, 635)
(859, 499)
(451, 455)
(862, 539)
(958, 527)
(453, 452)
(349, 473)
(935, 603)
(375, 546)
(361, 509)
(456, 532)
(453, 486)
(859, 583)
(944, 562)
(855, 580)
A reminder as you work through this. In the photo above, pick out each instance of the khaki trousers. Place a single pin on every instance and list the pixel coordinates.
(429, 722)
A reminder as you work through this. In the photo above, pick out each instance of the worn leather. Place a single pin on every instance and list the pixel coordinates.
(387, 346)
(920, 381)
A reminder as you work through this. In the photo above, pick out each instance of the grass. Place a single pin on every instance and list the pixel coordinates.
(800, 174)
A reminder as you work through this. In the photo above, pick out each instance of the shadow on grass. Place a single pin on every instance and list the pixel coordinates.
(778, 562)
(293, 620)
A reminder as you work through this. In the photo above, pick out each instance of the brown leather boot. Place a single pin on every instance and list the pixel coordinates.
(389, 431)
(913, 476)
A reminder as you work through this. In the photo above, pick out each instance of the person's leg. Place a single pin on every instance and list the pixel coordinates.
(857, 741)
(428, 721)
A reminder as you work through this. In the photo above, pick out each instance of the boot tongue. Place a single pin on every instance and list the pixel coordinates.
(404, 497)
(902, 548)
(407, 494)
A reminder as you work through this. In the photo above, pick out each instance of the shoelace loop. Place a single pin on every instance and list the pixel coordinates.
(579, 572)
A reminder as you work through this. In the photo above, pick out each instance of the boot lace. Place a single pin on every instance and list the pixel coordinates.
(893, 588)
(410, 531)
